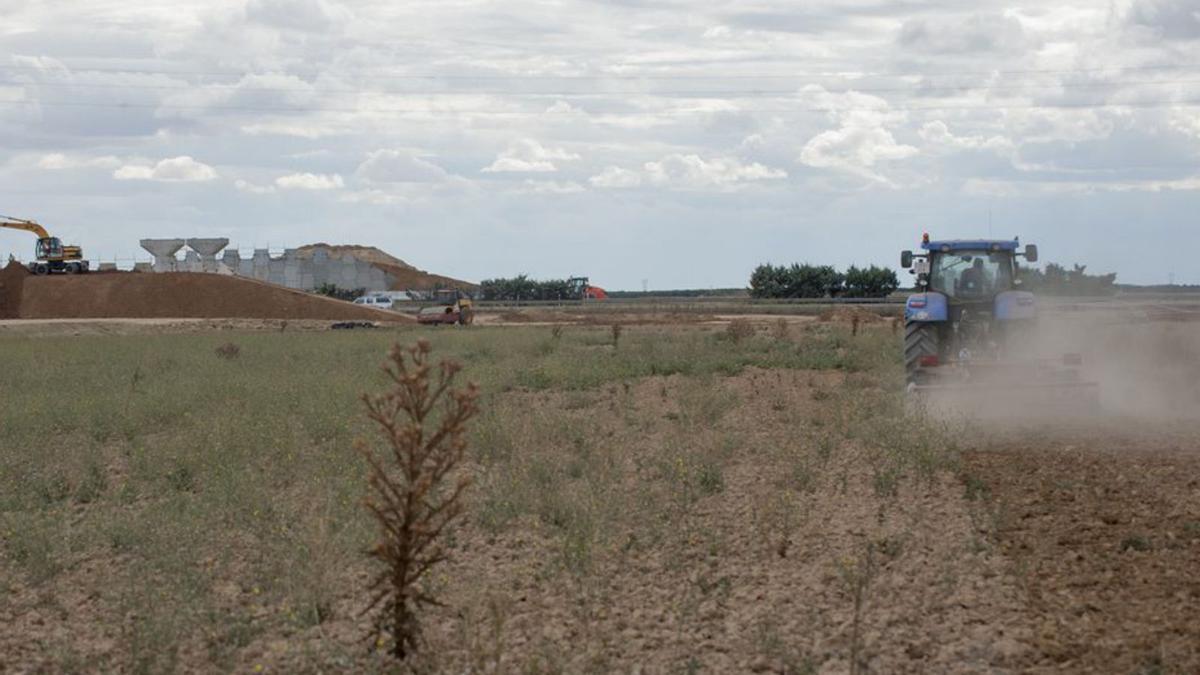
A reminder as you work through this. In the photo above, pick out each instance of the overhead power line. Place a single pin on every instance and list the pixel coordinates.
(593, 93)
(619, 76)
(453, 111)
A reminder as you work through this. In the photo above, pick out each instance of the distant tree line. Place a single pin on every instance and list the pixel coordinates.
(523, 288)
(682, 293)
(1058, 280)
(821, 281)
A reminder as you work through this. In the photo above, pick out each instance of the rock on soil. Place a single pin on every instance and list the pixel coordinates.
(170, 295)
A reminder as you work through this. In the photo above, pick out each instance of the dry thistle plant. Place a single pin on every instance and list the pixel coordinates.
(423, 418)
(782, 330)
(616, 334)
(739, 329)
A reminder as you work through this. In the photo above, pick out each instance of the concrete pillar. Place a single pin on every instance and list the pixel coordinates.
(262, 264)
(275, 273)
(347, 276)
(208, 249)
(191, 262)
(291, 268)
(164, 251)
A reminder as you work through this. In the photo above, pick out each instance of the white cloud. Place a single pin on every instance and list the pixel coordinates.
(616, 177)
(975, 34)
(1015, 188)
(862, 139)
(246, 186)
(1173, 19)
(58, 161)
(396, 166)
(855, 147)
(310, 181)
(529, 156)
(938, 133)
(550, 187)
(693, 171)
(182, 169)
(300, 15)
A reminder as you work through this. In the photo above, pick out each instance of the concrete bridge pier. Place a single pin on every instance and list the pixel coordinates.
(208, 250)
(164, 251)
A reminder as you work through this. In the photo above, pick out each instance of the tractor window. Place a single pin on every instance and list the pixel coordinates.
(965, 274)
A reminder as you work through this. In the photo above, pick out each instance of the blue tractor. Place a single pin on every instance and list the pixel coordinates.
(969, 322)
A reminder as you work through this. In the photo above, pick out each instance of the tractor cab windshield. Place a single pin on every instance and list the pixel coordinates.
(971, 274)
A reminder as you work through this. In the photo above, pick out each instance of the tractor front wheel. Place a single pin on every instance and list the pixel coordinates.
(920, 340)
(41, 269)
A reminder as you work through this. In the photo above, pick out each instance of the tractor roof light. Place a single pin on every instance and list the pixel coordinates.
(925, 238)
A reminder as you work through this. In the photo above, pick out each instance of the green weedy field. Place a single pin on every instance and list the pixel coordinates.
(685, 499)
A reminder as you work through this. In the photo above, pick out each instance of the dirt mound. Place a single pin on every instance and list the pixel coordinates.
(404, 276)
(12, 281)
(364, 253)
(178, 295)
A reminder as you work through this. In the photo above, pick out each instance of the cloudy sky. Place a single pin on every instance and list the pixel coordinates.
(673, 142)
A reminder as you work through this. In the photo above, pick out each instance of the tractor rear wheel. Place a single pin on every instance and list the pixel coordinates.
(920, 339)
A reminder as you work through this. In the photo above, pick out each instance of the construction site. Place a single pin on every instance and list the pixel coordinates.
(187, 279)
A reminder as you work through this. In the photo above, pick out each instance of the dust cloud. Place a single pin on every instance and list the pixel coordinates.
(1145, 365)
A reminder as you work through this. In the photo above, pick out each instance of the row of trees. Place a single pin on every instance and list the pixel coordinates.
(821, 281)
(524, 288)
(1058, 280)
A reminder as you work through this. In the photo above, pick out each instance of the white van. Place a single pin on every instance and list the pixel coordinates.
(376, 301)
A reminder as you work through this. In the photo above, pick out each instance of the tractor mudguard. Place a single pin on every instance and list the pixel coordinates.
(1015, 305)
(929, 306)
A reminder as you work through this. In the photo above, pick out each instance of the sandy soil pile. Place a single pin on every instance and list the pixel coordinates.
(176, 295)
(364, 253)
(406, 277)
(12, 281)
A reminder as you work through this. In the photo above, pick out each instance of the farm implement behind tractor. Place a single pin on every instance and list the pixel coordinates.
(968, 331)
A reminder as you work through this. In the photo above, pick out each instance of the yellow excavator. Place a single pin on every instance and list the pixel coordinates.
(51, 256)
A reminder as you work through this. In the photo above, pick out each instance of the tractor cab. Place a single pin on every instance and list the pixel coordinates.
(967, 269)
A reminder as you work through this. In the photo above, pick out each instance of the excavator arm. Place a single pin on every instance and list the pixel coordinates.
(22, 224)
